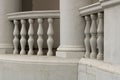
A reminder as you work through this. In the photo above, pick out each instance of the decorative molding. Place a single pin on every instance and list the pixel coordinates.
(71, 48)
(6, 46)
(37, 59)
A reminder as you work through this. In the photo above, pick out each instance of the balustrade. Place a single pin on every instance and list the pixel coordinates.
(94, 31)
(94, 36)
(30, 18)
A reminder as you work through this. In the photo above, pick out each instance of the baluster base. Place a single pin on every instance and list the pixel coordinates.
(93, 56)
(70, 52)
(31, 52)
(100, 56)
(50, 53)
(40, 53)
(87, 55)
(23, 52)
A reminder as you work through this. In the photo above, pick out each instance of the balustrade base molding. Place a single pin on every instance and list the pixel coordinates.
(70, 52)
(6, 48)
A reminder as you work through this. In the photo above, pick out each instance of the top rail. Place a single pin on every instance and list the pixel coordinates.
(34, 14)
(90, 9)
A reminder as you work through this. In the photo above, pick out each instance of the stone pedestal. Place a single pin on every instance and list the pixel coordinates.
(6, 29)
(71, 29)
(112, 31)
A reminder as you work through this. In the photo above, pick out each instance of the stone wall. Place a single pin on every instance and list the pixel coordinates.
(37, 68)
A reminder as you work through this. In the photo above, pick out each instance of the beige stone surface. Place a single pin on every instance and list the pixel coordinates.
(37, 68)
(94, 1)
(97, 70)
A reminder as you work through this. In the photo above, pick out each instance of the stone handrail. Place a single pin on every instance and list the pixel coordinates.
(90, 9)
(20, 19)
(34, 14)
(97, 7)
(94, 30)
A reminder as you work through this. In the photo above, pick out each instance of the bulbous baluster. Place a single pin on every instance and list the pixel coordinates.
(50, 40)
(23, 37)
(93, 40)
(31, 38)
(40, 37)
(87, 36)
(16, 37)
(100, 40)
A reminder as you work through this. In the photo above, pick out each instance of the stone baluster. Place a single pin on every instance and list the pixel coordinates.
(23, 37)
(93, 40)
(40, 37)
(87, 36)
(100, 40)
(16, 37)
(31, 38)
(50, 34)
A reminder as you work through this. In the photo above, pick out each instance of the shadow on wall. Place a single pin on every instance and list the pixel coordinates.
(45, 4)
(26, 5)
(29, 5)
